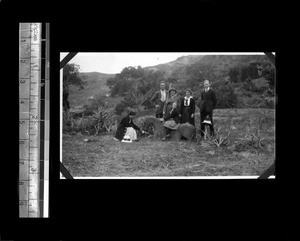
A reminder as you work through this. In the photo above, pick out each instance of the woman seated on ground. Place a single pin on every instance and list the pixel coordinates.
(172, 120)
(172, 97)
(127, 128)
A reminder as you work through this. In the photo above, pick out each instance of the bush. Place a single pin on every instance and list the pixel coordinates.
(260, 85)
(248, 85)
(226, 97)
(119, 109)
(269, 73)
(96, 102)
(219, 84)
(259, 102)
(270, 102)
(249, 70)
(234, 74)
(100, 122)
(67, 121)
(247, 94)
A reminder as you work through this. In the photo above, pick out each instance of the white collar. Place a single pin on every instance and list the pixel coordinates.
(187, 98)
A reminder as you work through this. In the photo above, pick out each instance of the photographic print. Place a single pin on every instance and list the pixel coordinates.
(167, 114)
(166, 119)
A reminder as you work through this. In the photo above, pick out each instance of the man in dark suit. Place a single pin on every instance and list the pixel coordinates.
(158, 99)
(207, 103)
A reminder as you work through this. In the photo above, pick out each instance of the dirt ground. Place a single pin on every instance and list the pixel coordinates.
(102, 156)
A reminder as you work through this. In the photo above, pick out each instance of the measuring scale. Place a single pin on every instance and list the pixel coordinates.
(33, 163)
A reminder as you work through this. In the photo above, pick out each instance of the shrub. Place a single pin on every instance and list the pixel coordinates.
(220, 139)
(68, 121)
(234, 74)
(119, 109)
(260, 85)
(270, 102)
(226, 97)
(248, 85)
(96, 102)
(269, 73)
(100, 122)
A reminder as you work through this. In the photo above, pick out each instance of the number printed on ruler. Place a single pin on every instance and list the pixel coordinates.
(24, 106)
(24, 66)
(24, 170)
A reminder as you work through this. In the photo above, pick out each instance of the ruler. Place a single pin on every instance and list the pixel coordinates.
(32, 123)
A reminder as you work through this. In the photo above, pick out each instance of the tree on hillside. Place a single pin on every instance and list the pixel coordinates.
(249, 70)
(70, 77)
(134, 84)
(226, 96)
(84, 78)
(124, 81)
(195, 76)
(253, 70)
(198, 72)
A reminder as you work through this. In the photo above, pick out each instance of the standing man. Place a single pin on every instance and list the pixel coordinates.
(159, 99)
(207, 103)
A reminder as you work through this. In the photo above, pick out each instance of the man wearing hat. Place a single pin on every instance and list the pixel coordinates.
(127, 128)
(158, 99)
(207, 103)
(172, 97)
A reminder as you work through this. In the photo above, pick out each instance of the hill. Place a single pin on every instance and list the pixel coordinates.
(186, 71)
(95, 84)
(212, 67)
(173, 66)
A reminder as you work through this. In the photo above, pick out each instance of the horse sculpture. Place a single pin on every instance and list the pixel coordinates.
(185, 130)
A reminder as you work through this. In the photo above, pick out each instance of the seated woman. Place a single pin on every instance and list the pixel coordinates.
(127, 127)
(172, 120)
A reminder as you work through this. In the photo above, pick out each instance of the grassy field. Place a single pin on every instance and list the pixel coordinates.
(249, 151)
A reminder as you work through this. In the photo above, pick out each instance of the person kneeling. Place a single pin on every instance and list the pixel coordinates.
(172, 120)
(127, 128)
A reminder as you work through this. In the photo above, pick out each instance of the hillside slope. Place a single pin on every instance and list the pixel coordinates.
(173, 66)
(95, 84)
(185, 68)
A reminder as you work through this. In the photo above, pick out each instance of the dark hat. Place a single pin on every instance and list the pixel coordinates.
(172, 89)
(189, 90)
(132, 113)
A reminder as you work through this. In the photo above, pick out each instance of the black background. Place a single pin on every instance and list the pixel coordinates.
(145, 209)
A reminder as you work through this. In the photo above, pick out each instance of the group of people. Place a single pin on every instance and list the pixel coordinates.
(173, 110)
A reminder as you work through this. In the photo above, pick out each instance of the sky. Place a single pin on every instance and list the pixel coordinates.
(112, 63)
